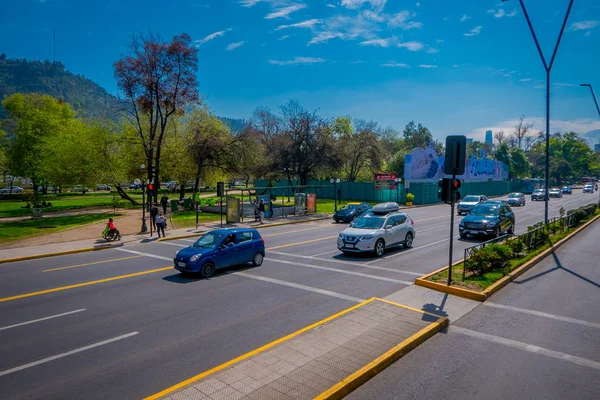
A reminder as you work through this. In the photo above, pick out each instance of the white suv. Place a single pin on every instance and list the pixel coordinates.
(382, 227)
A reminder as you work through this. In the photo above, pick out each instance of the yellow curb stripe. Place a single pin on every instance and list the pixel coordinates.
(253, 352)
(454, 290)
(299, 230)
(290, 223)
(429, 219)
(92, 263)
(355, 380)
(58, 253)
(299, 243)
(407, 307)
(78, 285)
(181, 236)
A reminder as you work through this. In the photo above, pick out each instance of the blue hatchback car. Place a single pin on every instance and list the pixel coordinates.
(221, 248)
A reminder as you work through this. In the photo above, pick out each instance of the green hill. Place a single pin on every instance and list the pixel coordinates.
(87, 97)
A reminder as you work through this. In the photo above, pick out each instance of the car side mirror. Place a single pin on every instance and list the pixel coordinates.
(388, 226)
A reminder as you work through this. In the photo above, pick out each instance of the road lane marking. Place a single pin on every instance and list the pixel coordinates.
(147, 254)
(343, 271)
(41, 319)
(432, 228)
(327, 252)
(175, 244)
(78, 285)
(186, 240)
(299, 230)
(356, 264)
(68, 353)
(299, 286)
(299, 243)
(429, 219)
(92, 263)
(542, 314)
(527, 347)
(410, 250)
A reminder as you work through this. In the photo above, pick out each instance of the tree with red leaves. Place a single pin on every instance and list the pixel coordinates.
(157, 81)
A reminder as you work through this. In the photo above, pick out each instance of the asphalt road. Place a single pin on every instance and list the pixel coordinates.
(149, 328)
(539, 338)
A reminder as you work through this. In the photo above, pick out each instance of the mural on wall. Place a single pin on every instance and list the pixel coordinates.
(425, 165)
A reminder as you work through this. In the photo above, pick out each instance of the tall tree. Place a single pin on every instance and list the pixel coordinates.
(158, 80)
(416, 135)
(360, 150)
(520, 132)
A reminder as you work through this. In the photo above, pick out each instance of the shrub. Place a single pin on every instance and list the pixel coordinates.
(491, 257)
(212, 202)
(410, 197)
(578, 216)
(516, 245)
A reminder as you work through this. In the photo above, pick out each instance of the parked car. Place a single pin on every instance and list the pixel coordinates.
(566, 190)
(13, 189)
(350, 211)
(134, 186)
(488, 220)
(555, 192)
(103, 186)
(221, 248)
(516, 199)
(538, 194)
(378, 229)
(588, 189)
(80, 188)
(468, 203)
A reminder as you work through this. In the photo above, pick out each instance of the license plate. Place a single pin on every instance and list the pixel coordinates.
(181, 264)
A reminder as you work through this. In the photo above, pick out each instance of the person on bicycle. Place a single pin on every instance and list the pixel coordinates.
(111, 226)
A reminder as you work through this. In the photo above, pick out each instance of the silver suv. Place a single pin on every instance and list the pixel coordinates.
(382, 227)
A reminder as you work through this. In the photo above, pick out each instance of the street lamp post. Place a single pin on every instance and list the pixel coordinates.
(397, 180)
(335, 181)
(593, 95)
(138, 182)
(548, 68)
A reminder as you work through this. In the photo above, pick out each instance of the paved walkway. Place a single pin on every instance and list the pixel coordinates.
(328, 356)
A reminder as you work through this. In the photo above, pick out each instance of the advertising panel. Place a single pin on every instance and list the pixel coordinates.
(424, 165)
(300, 203)
(311, 202)
(386, 180)
(268, 208)
(233, 210)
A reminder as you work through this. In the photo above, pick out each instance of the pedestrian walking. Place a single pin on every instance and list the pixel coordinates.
(261, 210)
(255, 206)
(164, 202)
(153, 214)
(161, 221)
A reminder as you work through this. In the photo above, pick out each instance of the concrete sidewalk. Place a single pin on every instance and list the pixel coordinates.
(326, 360)
(99, 243)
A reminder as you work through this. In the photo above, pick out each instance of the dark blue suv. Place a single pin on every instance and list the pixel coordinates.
(221, 248)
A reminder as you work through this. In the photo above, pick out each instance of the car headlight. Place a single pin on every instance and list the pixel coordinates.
(492, 224)
(195, 257)
(462, 223)
(367, 237)
(340, 236)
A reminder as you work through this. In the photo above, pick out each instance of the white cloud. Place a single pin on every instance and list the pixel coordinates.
(525, 80)
(439, 41)
(491, 11)
(373, 16)
(412, 46)
(357, 62)
(583, 25)
(512, 14)
(284, 37)
(395, 65)
(299, 60)
(564, 84)
(418, 4)
(474, 32)
(588, 33)
(431, 50)
(304, 24)
(354, 4)
(465, 17)
(212, 36)
(331, 6)
(401, 20)
(323, 37)
(501, 13)
(285, 11)
(249, 3)
(427, 66)
(379, 42)
(235, 45)
(583, 125)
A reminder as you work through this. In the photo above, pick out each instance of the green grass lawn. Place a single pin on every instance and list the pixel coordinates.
(187, 219)
(60, 203)
(11, 231)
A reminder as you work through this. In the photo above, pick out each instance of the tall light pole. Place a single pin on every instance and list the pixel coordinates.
(335, 181)
(593, 95)
(548, 68)
(138, 182)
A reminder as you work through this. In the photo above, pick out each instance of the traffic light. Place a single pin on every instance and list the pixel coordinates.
(153, 173)
(444, 190)
(150, 187)
(455, 185)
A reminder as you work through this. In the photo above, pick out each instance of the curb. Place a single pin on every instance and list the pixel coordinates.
(58, 253)
(482, 296)
(180, 237)
(360, 377)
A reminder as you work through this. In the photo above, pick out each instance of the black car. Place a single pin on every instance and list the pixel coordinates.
(488, 219)
(350, 211)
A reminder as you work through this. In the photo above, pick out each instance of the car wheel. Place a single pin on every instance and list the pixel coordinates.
(207, 270)
(379, 248)
(511, 230)
(464, 235)
(408, 241)
(258, 258)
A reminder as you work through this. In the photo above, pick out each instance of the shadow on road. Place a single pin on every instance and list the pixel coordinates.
(434, 309)
(195, 277)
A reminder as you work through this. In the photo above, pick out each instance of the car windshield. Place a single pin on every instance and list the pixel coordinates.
(369, 223)
(470, 199)
(486, 209)
(539, 190)
(209, 241)
(349, 206)
(513, 196)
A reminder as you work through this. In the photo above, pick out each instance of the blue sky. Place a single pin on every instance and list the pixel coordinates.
(458, 67)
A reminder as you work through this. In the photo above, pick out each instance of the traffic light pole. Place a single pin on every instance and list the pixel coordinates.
(451, 235)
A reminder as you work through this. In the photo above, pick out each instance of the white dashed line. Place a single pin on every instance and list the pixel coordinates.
(42, 319)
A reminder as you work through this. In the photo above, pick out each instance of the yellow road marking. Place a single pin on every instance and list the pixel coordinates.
(92, 263)
(251, 353)
(299, 230)
(298, 243)
(77, 285)
(429, 219)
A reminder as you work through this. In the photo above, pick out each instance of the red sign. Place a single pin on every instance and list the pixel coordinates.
(311, 203)
(386, 180)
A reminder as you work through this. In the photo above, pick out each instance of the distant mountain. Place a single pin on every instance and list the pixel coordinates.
(86, 97)
(592, 137)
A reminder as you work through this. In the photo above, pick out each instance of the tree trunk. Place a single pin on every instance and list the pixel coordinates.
(124, 195)
(181, 191)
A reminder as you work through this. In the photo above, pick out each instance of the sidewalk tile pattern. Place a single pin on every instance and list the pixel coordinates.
(312, 362)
